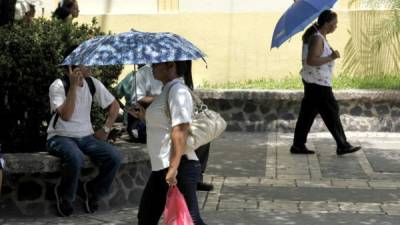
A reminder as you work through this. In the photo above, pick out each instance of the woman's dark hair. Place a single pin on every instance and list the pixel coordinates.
(184, 69)
(325, 17)
(63, 9)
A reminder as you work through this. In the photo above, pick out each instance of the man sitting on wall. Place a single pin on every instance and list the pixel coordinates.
(71, 137)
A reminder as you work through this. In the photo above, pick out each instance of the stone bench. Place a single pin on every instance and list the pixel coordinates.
(28, 186)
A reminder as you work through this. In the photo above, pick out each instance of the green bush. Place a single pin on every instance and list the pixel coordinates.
(29, 57)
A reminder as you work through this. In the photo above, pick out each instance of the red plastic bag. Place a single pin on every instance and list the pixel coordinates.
(176, 212)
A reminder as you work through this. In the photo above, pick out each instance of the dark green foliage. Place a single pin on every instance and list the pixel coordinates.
(29, 59)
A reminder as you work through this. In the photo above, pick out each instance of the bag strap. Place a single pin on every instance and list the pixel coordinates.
(90, 83)
(198, 103)
(167, 109)
(66, 84)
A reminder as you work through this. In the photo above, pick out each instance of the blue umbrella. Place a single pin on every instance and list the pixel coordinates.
(297, 17)
(133, 47)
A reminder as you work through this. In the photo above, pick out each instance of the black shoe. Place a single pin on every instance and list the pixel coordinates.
(64, 208)
(300, 150)
(347, 150)
(91, 203)
(201, 186)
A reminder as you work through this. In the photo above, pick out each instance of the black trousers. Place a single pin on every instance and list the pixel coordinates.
(154, 195)
(202, 153)
(319, 99)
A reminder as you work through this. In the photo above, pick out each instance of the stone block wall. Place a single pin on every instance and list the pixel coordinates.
(260, 111)
(29, 184)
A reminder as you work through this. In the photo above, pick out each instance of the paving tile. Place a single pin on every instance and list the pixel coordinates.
(384, 184)
(319, 207)
(391, 209)
(313, 183)
(350, 183)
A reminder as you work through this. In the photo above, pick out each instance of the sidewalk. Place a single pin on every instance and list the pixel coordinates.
(257, 181)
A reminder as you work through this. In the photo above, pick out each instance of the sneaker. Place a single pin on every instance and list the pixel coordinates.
(64, 207)
(201, 186)
(300, 150)
(91, 203)
(347, 150)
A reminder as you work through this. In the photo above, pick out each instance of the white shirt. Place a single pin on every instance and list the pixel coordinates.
(159, 125)
(80, 124)
(321, 75)
(144, 84)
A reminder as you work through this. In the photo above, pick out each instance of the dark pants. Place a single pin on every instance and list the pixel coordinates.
(202, 153)
(72, 152)
(319, 99)
(155, 193)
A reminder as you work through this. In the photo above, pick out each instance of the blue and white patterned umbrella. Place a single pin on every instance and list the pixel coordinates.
(133, 47)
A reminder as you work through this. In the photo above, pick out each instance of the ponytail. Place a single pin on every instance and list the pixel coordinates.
(310, 32)
(184, 69)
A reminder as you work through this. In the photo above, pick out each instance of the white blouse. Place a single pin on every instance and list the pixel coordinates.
(159, 125)
(321, 75)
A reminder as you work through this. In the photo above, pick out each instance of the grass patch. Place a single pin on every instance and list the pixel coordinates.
(342, 81)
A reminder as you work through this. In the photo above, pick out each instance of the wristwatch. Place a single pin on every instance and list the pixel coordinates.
(106, 129)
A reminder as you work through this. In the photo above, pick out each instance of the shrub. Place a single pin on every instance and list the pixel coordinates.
(29, 58)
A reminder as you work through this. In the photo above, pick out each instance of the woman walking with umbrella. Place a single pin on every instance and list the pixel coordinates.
(318, 60)
(172, 164)
(166, 141)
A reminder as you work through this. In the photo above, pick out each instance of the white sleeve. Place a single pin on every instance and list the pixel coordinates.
(56, 94)
(102, 95)
(180, 104)
(143, 86)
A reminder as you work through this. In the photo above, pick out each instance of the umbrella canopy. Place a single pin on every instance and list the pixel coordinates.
(297, 17)
(133, 47)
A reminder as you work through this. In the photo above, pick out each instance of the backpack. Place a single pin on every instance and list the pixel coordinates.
(66, 84)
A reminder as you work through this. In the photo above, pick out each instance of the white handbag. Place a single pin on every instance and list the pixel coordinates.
(206, 124)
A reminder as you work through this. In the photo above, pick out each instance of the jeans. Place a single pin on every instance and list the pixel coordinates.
(319, 99)
(154, 196)
(72, 152)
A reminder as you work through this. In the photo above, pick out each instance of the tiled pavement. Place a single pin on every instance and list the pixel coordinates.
(257, 181)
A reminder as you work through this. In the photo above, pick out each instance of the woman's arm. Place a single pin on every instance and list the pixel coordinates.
(179, 136)
(316, 47)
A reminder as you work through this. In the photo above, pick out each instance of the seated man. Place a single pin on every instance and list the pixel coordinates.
(70, 136)
(147, 88)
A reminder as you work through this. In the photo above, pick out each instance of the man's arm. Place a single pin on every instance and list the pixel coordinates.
(68, 107)
(146, 101)
(113, 111)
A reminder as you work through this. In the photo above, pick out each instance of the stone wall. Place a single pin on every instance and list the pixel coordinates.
(30, 180)
(259, 110)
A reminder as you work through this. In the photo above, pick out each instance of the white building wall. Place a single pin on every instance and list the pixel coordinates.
(101, 7)
(233, 5)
